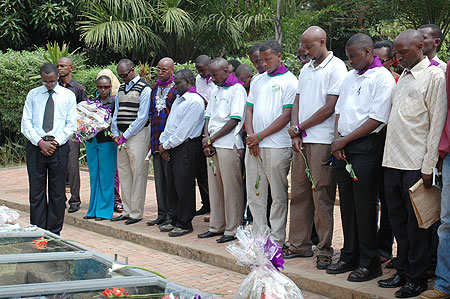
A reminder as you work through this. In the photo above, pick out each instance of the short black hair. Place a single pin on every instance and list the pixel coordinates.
(235, 63)
(203, 60)
(271, 45)
(360, 40)
(436, 32)
(244, 69)
(187, 75)
(254, 48)
(126, 62)
(48, 68)
(385, 44)
(104, 77)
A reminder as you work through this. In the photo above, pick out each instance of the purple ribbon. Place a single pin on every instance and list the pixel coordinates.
(433, 62)
(375, 63)
(231, 80)
(281, 70)
(273, 250)
(78, 138)
(121, 140)
(164, 83)
(207, 78)
(197, 296)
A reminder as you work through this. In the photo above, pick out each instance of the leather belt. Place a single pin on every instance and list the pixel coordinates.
(48, 138)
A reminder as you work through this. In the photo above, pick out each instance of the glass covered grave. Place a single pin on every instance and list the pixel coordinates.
(39, 264)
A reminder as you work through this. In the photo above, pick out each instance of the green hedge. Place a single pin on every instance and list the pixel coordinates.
(19, 73)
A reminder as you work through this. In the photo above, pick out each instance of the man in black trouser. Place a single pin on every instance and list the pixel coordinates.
(180, 144)
(361, 113)
(65, 68)
(49, 118)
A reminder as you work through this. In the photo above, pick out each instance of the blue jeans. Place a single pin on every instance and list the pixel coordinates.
(443, 254)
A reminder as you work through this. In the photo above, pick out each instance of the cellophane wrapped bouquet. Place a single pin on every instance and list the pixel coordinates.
(92, 117)
(263, 255)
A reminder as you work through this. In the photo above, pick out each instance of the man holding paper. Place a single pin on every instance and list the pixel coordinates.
(411, 152)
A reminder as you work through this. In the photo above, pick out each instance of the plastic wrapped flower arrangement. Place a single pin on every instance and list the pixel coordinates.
(263, 255)
(92, 117)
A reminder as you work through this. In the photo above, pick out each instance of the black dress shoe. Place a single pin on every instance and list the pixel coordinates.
(120, 218)
(225, 239)
(394, 282)
(88, 217)
(132, 221)
(410, 289)
(340, 267)
(365, 274)
(203, 210)
(99, 218)
(73, 208)
(208, 234)
(157, 221)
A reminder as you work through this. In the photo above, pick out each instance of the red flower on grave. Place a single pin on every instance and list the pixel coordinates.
(40, 243)
(115, 292)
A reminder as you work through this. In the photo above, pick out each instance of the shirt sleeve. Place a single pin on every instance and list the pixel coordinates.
(142, 116)
(380, 105)
(437, 103)
(237, 107)
(194, 111)
(27, 120)
(290, 92)
(114, 128)
(252, 93)
(337, 76)
(210, 106)
(71, 120)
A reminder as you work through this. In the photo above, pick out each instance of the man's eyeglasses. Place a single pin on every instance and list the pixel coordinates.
(387, 59)
(49, 82)
(125, 75)
(161, 71)
(302, 57)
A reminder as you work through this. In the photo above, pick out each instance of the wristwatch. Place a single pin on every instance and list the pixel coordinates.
(209, 141)
(296, 131)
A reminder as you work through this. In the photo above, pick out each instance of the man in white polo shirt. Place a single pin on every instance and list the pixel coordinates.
(361, 112)
(224, 146)
(312, 132)
(269, 153)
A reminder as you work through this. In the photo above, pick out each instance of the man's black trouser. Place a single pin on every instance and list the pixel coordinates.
(47, 212)
(358, 200)
(412, 241)
(181, 179)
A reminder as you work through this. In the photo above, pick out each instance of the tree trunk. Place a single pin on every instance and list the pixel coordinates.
(277, 21)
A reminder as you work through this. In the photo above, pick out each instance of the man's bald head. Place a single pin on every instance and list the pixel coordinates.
(166, 62)
(315, 33)
(408, 48)
(410, 35)
(314, 43)
(244, 72)
(219, 62)
(218, 70)
(65, 68)
(125, 62)
(360, 41)
(165, 69)
(203, 60)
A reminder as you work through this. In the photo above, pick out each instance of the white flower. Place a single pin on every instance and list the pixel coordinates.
(115, 267)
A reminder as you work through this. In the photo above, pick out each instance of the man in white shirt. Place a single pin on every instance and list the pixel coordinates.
(419, 110)
(432, 41)
(180, 144)
(204, 86)
(361, 113)
(49, 118)
(312, 132)
(130, 126)
(224, 146)
(269, 151)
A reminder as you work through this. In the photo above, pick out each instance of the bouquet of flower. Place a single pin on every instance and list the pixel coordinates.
(92, 117)
(257, 250)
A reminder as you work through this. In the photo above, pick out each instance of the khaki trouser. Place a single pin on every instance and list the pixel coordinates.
(133, 173)
(272, 166)
(226, 191)
(308, 205)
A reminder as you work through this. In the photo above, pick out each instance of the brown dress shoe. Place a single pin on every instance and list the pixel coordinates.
(434, 294)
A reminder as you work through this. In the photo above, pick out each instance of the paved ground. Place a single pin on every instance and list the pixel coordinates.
(199, 275)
